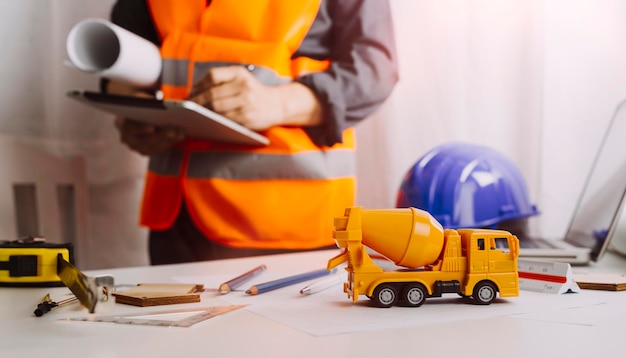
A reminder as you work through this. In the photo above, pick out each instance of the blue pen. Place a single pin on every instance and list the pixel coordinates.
(282, 282)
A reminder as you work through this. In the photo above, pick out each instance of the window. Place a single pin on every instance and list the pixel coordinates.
(502, 244)
(481, 244)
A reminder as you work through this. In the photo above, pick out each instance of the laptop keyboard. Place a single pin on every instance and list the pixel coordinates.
(536, 244)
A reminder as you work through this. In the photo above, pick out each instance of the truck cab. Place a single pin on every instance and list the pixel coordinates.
(492, 256)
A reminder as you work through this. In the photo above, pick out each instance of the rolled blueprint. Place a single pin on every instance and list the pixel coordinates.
(103, 48)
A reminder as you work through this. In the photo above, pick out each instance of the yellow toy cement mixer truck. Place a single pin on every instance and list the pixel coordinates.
(474, 263)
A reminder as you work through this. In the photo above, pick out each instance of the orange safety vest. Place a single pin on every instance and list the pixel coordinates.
(284, 195)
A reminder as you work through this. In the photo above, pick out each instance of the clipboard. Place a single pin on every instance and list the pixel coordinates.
(196, 120)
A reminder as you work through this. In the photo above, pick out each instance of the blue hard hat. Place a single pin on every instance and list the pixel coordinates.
(466, 185)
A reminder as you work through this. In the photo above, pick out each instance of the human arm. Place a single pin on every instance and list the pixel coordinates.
(148, 139)
(357, 36)
(144, 138)
(234, 92)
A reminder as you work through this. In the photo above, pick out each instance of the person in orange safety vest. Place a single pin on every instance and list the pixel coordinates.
(302, 73)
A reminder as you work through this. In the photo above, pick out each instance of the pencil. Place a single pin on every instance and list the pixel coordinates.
(237, 281)
(322, 284)
(282, 282)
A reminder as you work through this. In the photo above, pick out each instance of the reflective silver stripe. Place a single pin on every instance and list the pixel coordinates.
(255, 166)
(167, 164)
(175, 72)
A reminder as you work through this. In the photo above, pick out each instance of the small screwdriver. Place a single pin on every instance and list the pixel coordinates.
(47, 304)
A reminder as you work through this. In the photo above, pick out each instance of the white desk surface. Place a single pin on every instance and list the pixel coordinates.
(245, 332)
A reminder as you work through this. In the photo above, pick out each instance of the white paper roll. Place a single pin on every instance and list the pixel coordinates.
(103, 48)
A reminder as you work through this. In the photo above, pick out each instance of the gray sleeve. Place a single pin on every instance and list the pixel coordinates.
(360, 44)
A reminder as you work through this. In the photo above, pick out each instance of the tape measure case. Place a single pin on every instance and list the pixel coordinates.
(32, 262)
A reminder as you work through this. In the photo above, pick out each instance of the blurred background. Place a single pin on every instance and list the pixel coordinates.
(538, 80)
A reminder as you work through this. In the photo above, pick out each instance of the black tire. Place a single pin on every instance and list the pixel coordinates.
(485, 293)
(385, 295)
(414, 294)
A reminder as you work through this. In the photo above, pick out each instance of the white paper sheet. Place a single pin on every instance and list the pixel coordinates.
(330, 312)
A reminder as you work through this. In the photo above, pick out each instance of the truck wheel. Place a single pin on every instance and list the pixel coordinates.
(484, 293)
(385, 295)
(414, 294)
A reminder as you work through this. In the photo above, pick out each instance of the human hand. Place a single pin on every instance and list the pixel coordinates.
(235, 93)
(148, 139)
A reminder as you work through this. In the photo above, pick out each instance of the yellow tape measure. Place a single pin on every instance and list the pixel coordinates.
(31, 262)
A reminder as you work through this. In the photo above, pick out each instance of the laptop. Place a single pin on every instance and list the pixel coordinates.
(599, 206)
(196, 120)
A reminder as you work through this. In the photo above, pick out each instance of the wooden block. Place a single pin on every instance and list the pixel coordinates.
(157, 294)
(607, 282)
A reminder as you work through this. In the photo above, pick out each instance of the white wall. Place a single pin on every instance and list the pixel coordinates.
(585, 79)
(34, 108)
(536, 79)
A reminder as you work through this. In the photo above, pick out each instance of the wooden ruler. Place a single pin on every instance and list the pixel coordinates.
(169, 318)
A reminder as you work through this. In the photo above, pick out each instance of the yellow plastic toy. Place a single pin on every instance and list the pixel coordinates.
(474, 263)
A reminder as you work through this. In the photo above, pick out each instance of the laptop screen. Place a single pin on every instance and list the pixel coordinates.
(599, 203)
